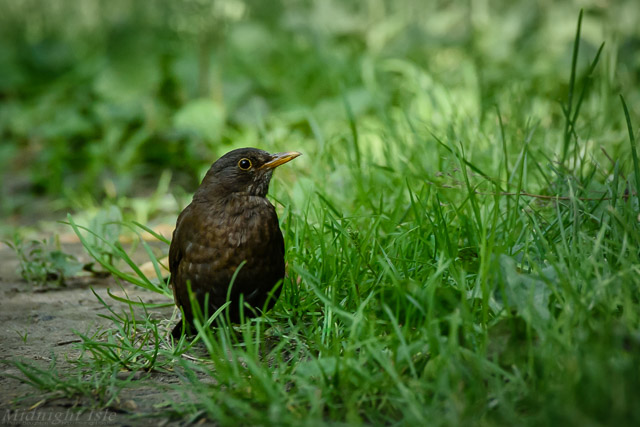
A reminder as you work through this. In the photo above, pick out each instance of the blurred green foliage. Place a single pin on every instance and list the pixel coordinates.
(98, 97)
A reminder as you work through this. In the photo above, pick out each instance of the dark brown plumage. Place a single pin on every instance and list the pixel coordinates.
(230, 221)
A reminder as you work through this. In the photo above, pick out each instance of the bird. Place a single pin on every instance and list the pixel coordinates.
(229, 228)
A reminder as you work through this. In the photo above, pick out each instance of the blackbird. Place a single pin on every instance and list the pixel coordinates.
(229, 221)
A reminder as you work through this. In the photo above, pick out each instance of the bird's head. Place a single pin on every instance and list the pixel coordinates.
(245, 170)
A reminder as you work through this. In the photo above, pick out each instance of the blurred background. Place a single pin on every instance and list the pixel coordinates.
(113, 100)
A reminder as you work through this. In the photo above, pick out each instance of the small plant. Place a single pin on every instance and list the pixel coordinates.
(23, 336)
(43, 261)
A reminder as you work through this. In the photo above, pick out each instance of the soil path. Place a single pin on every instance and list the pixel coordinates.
(38, 325)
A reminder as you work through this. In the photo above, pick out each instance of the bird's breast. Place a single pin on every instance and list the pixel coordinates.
(240, 224)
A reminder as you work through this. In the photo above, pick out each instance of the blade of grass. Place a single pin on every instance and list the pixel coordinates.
(632, 142)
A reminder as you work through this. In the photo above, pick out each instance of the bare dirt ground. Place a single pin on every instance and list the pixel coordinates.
(38, 324)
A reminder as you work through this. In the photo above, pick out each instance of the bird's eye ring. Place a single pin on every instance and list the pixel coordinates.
(244, 164)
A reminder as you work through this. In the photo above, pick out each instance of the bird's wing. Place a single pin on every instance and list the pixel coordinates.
(176, 251)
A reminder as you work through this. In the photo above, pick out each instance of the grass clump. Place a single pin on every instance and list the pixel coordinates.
(43, 261)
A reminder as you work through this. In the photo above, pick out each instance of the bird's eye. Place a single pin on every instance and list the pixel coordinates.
(244, 164)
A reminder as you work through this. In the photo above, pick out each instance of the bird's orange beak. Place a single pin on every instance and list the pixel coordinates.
(280, 158)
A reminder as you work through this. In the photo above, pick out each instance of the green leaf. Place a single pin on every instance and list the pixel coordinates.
(527, 293)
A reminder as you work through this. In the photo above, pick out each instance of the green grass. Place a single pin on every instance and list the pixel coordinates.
(462, 240)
